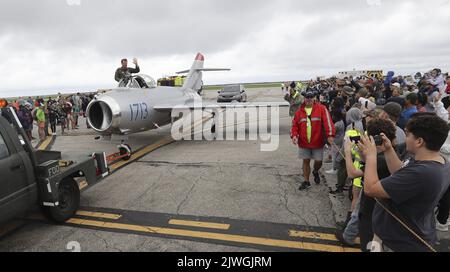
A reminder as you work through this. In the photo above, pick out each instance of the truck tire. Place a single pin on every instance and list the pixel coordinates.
(69, 201)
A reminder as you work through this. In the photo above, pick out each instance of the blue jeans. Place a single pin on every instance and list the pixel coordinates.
(351, 231)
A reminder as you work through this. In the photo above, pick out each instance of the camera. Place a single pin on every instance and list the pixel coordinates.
(378, 140)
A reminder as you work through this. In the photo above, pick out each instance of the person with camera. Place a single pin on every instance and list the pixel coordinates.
(361, 218)
(312, 127)
(403, 218)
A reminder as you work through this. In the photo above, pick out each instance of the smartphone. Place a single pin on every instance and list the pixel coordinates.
(355, 139)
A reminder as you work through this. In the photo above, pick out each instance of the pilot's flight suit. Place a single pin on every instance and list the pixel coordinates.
(121, 72)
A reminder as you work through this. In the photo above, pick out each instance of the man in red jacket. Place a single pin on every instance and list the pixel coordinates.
(312, 124)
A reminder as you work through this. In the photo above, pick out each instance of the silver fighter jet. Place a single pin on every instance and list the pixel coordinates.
(138, 104)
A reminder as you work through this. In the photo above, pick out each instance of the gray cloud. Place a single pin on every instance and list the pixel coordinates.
(113, 27)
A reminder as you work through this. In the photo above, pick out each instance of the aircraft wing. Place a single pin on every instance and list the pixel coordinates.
(206, 106)
(205, 70)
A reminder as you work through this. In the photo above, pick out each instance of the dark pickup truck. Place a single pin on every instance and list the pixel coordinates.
(33, 178)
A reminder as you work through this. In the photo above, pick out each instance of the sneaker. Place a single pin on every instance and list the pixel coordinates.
(305, 185)
(440, 227)
(316, 177)
(337, 192)
(340, 236)
(331, 172)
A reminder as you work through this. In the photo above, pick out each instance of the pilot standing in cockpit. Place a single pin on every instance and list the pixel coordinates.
(125, 71)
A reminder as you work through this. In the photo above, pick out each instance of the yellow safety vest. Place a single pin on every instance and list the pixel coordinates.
(357, 161)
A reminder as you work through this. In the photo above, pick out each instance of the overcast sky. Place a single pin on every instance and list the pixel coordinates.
(58, 45)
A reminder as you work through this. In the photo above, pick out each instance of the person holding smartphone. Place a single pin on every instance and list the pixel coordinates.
(361, 218)
(403, 219)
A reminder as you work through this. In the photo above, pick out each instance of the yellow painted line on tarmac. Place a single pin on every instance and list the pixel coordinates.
(213, 236)
(197, 123)
(315, 235)
(45, 143)
(99, 215)
(199, 224)
(166, 140)
(142, 152)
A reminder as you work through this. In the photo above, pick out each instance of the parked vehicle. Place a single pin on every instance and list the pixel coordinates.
(33, 178)
(232, 93)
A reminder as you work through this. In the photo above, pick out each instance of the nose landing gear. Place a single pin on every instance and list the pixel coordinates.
(124, 153)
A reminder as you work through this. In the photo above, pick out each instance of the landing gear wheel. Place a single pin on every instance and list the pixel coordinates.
(69, 201)
(125, 149)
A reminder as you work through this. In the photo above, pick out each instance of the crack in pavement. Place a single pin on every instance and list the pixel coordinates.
(210, 164)
(317, 217)
(251, 192)
(106, 242)
(330, 202)
(186, 197)
(152, 186)
(285, 197)
(189, 192)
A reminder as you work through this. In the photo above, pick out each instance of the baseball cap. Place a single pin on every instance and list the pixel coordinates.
(397, 85)
(309, 94)
(372, 113)
(363, 92)
(348, 90)
(393, 109)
